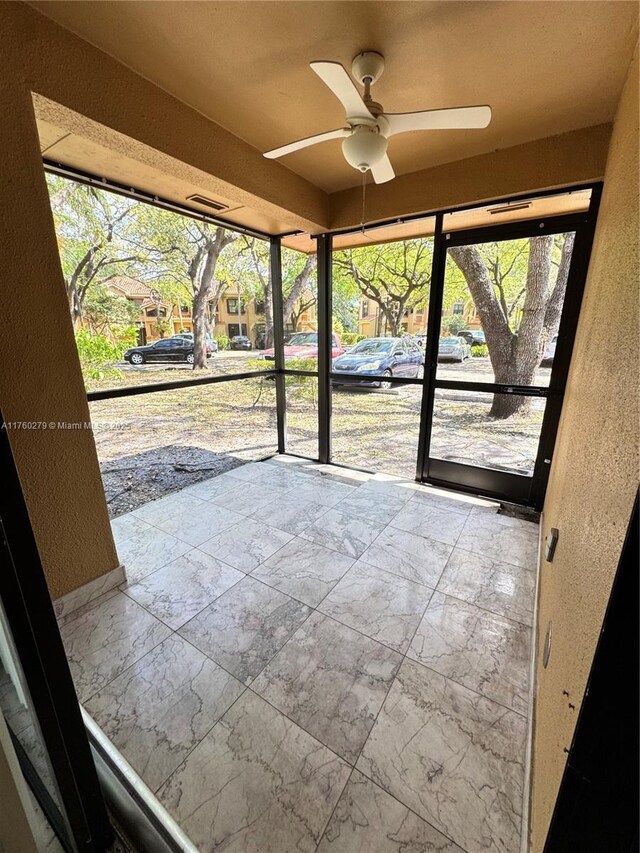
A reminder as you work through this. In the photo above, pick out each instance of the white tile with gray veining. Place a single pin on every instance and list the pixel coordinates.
(369, 820)
(161, 707)
(145, 552)
(383, 606)
(409, 556)
(344, 532)
(485, 535)
(441, 499)
(210, 488)
(438, 736)
(290, 513)
(257, 783)
(482, 651)
(304, 570)
(181, 589)
(331, 681)
(196, 527)
(491, 584)
(107, 639)
(250, 497)
(434, 522)
(247, 544)
(244, 628)
(452, 756)
(325, 492)
(368, 504)
(160, 509)
(125, 526)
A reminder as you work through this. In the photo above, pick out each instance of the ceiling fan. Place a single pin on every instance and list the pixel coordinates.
(368, 128)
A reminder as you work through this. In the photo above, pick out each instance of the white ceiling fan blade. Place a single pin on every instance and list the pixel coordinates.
(457, 118)
(336, 78)
(305, 143)
(383, 171)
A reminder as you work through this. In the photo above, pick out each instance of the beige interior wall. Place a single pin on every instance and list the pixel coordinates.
(594, 475)
(40, 376)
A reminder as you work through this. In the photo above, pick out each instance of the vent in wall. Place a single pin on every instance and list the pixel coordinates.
(209, 202)
(508, 208)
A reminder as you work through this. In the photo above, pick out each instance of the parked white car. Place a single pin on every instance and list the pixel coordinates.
(188, 336)
(550, 352)
(453, 349)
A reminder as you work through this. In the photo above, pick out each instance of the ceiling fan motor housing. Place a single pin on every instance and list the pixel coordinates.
(364, 147)
(367, 65)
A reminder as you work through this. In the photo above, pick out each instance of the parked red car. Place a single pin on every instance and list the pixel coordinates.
(305, 345)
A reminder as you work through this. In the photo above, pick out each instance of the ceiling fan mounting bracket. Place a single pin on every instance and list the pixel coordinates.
(367, 65)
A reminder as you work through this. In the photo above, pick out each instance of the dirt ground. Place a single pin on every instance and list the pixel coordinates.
(152, 444)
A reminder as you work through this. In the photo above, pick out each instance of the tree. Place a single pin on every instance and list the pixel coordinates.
(93, 230)
(184, 255)
(106, 314)
(299, 285)
(454, 324)
(515, 349)
(396, 276)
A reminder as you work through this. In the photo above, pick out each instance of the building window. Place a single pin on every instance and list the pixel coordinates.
(259, 306)
(233, 303)
(458, 307)
(365, 307)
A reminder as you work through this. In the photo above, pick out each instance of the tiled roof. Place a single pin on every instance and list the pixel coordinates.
(129, 286)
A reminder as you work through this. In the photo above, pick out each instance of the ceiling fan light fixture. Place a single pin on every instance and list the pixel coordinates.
(364, 148)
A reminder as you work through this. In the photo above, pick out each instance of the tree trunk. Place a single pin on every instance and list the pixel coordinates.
(268, 314)
(299, 286)
(514, 358)
(199, 314)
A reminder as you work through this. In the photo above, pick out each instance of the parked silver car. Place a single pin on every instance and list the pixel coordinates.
(188, 336)
(453, 349)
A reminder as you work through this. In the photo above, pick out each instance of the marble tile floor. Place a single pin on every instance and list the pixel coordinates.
(309, 659)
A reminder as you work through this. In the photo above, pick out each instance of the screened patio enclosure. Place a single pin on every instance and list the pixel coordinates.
(435, 347)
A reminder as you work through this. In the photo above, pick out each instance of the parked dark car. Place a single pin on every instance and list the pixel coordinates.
(240, 342)
(467, 334)
(380, 357)
(166, 349)
(478, 338)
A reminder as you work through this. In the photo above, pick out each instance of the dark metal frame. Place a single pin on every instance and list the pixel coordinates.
(490, 482)
(502, 485)
(32, 622)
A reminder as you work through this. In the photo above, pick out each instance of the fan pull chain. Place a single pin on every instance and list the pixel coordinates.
(364, 187)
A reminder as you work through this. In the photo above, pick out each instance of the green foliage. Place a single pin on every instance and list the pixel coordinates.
(98, 354)
(479, 350)
(454, 324)
(222, 341)
(106, 313)
(396, 276)
(349, 339)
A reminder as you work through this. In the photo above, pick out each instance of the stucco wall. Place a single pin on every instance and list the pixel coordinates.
(594, 474)
(40, 379)
(569, 158)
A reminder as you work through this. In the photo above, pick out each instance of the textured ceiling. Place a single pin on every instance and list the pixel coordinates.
(544, 67)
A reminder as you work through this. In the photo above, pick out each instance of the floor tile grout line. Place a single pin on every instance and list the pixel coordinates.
(333, 810)
(480, 607)
(410, 809)
(465, 687)
(195, 746)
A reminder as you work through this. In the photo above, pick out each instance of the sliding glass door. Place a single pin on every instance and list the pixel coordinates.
(37, 697)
